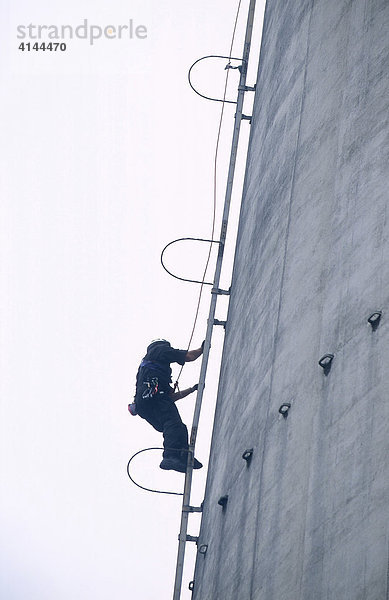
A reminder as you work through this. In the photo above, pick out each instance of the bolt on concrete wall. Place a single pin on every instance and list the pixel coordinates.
(308, 517)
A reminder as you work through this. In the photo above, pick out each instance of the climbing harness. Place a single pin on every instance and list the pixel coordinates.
(151, 388)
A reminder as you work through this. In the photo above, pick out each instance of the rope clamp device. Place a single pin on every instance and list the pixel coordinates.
(191, 585)
(246, 118)
(203, 549)
(230, 66)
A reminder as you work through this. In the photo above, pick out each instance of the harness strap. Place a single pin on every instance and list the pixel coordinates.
(150, 364)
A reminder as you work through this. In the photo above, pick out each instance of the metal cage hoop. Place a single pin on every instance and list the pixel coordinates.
(182, 240)
(228, 66)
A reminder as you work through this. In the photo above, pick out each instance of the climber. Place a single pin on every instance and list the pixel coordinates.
(155, 400)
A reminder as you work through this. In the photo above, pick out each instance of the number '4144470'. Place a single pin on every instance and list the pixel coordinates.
(49, 46)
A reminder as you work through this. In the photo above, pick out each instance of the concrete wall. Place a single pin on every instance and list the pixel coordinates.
(308, 519)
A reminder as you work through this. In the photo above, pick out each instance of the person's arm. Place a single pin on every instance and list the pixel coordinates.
(183, 393)
(194, 354)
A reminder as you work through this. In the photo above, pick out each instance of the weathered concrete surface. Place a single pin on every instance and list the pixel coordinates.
(309, 518)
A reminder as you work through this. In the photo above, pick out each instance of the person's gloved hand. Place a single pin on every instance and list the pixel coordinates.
(195, 387)
(202, 346)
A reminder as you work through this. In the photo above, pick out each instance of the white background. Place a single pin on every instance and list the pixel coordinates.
(106, 156)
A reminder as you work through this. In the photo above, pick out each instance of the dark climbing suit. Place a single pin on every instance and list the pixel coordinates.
(153, 400)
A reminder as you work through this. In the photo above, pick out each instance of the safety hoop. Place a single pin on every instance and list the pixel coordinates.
(181, 240)
(227, 67)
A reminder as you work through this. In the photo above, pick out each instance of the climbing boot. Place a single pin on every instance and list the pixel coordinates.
(173, 464)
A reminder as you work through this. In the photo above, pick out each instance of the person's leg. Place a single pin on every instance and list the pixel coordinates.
(175, 433)
(161, 412)
(148, 410)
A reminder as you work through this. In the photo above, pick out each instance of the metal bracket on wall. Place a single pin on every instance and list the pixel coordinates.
(223, 501)
(220, 292)
(217, 322)
(190, 538)
(248, 455)
(248, 88)
(375, 319)
(325, 362)
(284, 409)
(192, 509)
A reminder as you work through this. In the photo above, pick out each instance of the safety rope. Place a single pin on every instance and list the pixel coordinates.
(176, 386)
(214, 191)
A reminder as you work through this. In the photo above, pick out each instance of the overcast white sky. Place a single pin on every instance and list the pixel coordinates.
(106, 156)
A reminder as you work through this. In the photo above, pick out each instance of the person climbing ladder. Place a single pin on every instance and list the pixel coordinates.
(155, 400)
